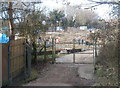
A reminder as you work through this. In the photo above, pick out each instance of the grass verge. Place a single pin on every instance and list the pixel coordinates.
(33, 76)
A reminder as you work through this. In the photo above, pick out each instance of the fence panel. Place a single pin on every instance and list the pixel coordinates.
(17, 57)
(4, 63)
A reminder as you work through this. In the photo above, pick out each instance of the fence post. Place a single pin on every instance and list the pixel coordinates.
(95, 48)
(9, 64)
(25, 59)
(29, 58)
(45, 51)
(73, 50)
(0, 65)
(94, 55)
(53, 51)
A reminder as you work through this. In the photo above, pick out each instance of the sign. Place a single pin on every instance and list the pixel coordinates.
(3, 38)
(5, 28)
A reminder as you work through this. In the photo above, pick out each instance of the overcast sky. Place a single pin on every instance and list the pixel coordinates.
(102, 10)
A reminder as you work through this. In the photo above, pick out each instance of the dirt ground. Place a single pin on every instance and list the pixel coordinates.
(60, 75)
(65, 74)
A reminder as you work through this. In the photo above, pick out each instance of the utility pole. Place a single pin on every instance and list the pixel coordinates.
(10, 13)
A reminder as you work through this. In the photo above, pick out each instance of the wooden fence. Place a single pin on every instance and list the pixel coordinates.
(17, 57)
(14, 60)
(0, 65)
(5, 63)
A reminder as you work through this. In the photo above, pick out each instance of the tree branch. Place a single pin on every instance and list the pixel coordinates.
(105, 2)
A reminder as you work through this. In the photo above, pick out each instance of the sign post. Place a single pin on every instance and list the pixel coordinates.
(0, 65)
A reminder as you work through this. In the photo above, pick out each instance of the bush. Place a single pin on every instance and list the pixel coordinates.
(107, 64)
(108, 55)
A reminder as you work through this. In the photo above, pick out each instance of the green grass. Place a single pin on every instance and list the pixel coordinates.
(33, 76)
(60, 55)
(100, 72)
(49, 57)
(106, 76)
(41, 57)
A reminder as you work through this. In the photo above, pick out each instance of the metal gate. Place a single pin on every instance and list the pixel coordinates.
(73, 52)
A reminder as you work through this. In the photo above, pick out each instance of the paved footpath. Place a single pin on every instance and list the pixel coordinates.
(65, 75)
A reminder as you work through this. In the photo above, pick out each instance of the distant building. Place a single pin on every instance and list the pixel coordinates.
(53, 29)
(59, 29)
(83, 28)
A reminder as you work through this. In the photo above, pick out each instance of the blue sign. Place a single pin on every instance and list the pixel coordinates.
(3, 38)
(5, 28)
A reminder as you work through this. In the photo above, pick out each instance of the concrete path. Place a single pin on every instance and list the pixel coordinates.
(82, 57)
(86, 71)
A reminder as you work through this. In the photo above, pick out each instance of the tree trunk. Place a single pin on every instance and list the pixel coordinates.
(10, 13)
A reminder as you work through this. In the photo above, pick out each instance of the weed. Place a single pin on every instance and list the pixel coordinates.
(33, 76)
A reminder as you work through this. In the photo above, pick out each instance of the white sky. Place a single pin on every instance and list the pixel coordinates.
(102, 10)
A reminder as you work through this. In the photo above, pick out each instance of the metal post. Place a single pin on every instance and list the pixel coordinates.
(45, 50)
(25, 59)
(95, 49)
(73, 50)
(9, 66)
(0, 65)
(29, 58)
(53, 50)
(95, 54)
